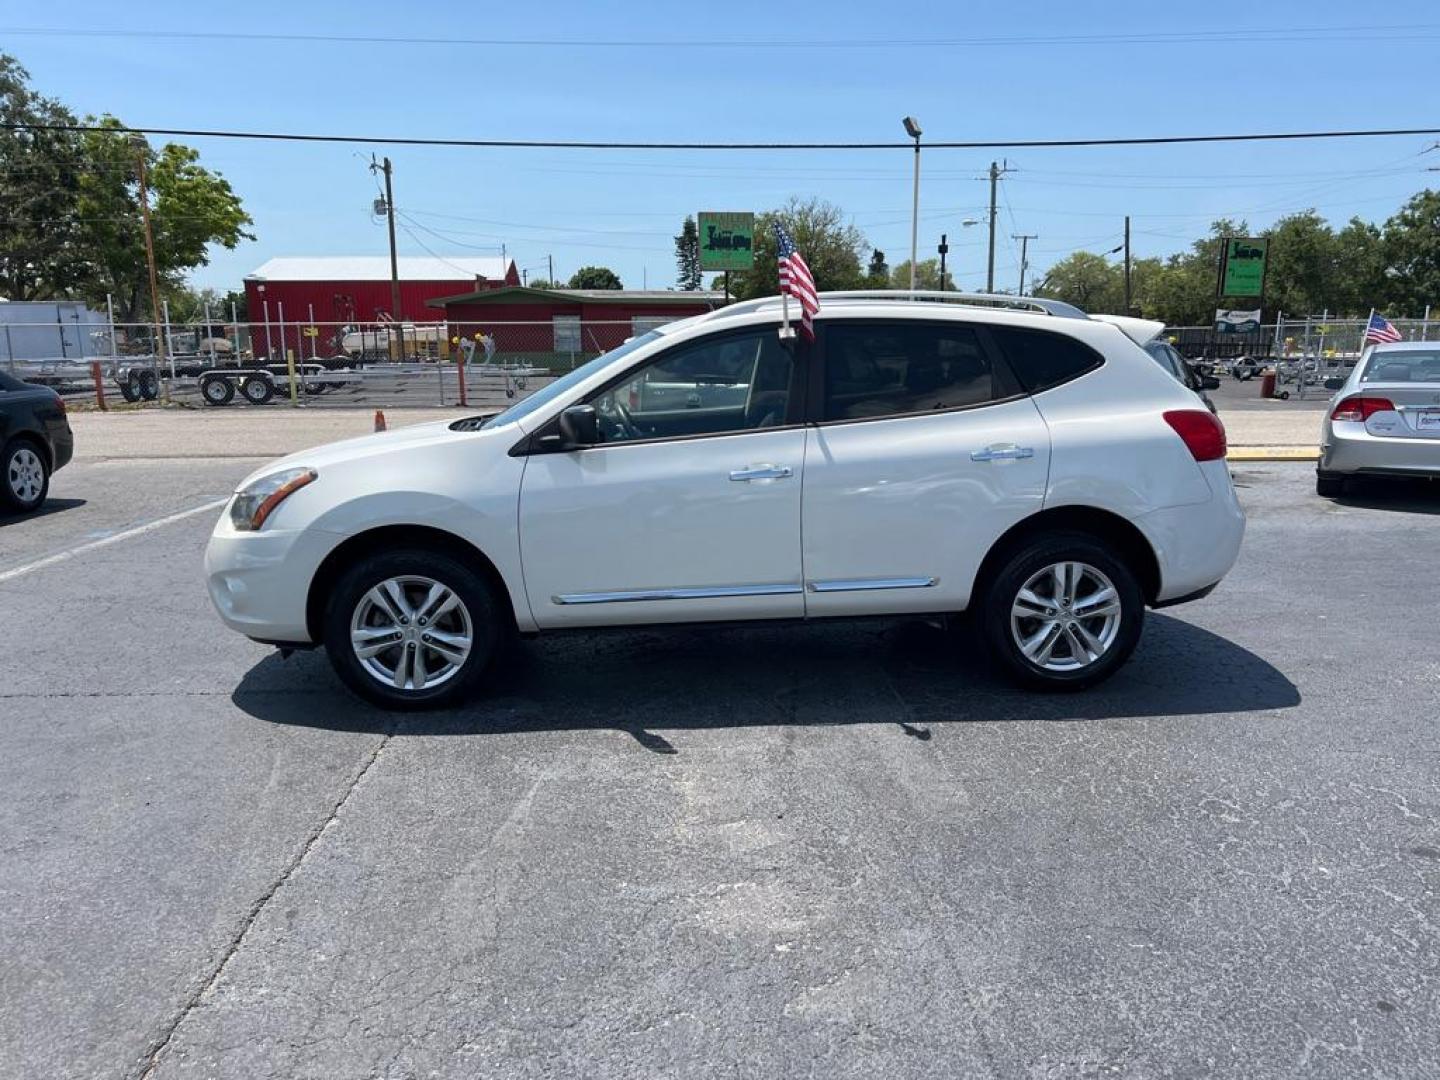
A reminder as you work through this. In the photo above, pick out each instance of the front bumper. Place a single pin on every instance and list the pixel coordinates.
(260, 582)
(1347, 449)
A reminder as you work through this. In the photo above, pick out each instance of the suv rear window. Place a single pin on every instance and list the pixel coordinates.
(874, 370)
(1042, 360)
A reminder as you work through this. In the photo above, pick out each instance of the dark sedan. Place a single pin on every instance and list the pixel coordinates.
(35, 440)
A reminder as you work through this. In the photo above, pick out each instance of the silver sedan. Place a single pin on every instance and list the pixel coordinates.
(1385, 418)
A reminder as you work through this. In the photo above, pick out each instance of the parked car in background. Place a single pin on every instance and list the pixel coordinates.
(35, 440)
(1246, 368)
(929, 454)
(1384, 419)
(1169, 358)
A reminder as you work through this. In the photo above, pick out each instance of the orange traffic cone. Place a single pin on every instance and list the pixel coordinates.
(379, 420)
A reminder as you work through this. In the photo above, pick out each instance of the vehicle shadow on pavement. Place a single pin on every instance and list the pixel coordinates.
(1403, 496)
(913, 674)
(52, 506)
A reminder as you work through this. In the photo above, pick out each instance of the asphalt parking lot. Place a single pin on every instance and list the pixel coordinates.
(831, 851)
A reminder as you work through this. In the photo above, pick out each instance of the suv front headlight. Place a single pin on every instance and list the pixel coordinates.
(257, 501)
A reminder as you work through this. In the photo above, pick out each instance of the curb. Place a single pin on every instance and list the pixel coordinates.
(1273, 453)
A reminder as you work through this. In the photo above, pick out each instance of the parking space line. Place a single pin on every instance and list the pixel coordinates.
(138, 530)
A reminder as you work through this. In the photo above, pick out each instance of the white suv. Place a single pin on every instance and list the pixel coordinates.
(926, 455)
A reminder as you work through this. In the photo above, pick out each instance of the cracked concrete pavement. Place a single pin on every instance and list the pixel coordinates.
(831, 851)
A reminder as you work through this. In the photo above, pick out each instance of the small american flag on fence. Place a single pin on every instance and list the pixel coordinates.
(796, 280)
(1380, 330)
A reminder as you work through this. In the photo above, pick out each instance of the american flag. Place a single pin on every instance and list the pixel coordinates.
(796, 280)
(1380, 330)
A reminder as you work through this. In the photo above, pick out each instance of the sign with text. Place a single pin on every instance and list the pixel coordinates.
(1237, 322)
(727, 240)
(1242, 273)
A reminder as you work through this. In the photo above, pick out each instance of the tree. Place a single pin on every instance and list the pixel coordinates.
(72, 224)
(191, 208)
(1089, 281)
(1301, 265)
(595, 277)
(40, 253)
(544, 283)
(878, 274)
(687, 256)
(831, 248)
(1411, 247)
(927, 276)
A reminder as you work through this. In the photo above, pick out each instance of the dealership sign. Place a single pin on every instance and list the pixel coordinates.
(1242, 271)
(727, 240)
(1237, 322)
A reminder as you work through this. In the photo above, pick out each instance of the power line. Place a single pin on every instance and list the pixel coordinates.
(1395, 34)
(564, 144)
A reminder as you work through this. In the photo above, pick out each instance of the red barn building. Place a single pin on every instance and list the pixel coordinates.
(355, 290)
(549, 325)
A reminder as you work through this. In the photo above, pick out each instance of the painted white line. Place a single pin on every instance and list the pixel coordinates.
(138, 530)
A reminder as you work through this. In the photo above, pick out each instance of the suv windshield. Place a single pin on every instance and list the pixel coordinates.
(547, 394)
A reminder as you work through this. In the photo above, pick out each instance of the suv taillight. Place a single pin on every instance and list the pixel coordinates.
(1360, 408)
(1202, 432)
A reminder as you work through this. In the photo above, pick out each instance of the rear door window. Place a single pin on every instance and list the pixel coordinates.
(875, 369)
(1042, 360)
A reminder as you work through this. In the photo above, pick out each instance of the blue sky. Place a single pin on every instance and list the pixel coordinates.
(622, 208)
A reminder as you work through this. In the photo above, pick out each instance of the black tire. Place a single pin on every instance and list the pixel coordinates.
(149, 384)
(257, 389)
(1329, 487)
(489, 626)
(128, 390)
(1000, 594)
(217, 390)
(23, 454)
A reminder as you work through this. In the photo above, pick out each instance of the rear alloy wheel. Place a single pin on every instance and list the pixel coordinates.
(1063, 613)
(411, 629)
(257, 390)
(24, 479)
(217, 390)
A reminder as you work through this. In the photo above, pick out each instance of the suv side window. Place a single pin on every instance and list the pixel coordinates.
(729, 383)
(875, 369)
(1042, 360)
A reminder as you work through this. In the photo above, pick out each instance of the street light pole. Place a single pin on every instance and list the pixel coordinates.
(912, 128)
(944, 250)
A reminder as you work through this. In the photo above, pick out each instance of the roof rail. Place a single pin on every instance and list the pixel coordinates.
(1057, 308)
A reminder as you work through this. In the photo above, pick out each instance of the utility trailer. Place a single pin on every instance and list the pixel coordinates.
(257, 384)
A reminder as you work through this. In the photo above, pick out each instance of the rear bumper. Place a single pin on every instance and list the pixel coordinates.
(1346, 452)
(1196, 545)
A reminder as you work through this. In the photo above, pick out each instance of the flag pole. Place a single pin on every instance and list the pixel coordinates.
(1364, 334)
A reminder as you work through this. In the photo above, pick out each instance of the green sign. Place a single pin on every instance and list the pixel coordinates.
(1243, 271)
(727, 240)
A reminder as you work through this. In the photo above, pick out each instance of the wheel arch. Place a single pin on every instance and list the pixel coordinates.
(389, 538)
(34, 438)
(1129, 542)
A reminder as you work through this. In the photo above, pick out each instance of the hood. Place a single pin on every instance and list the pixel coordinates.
(364, 446)
(1140, 331)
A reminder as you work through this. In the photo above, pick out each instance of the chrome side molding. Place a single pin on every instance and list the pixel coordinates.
(630, 596)
(867, 584)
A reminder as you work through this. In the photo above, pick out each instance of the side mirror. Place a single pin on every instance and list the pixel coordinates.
(1334, 384)
(579, 426)
(1209, 382)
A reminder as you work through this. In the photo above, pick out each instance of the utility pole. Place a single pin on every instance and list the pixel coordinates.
(385, 167)
(1127, 264)
(944, 250)
(996, 171)
(551, 258)
(1024, 239)
(138, 142)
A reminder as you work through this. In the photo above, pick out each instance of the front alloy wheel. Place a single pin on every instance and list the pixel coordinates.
(412, 628)
(411, 632)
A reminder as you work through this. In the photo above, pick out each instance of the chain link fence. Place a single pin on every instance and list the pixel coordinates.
(216, 364)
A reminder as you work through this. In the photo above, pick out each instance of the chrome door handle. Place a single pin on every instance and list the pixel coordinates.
(761, 472)
(1002, 452)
